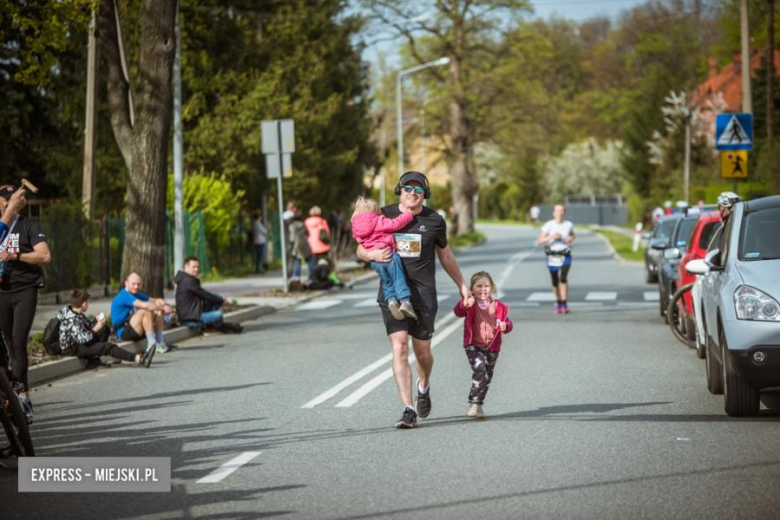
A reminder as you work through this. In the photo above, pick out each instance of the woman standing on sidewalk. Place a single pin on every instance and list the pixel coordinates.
(22, 253)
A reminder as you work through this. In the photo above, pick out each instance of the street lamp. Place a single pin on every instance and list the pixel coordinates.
(399, 122)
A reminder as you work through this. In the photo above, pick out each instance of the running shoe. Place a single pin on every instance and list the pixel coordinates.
(164, 348)
(408, 420)
(423, 403)
(558, 308)
(565, 308)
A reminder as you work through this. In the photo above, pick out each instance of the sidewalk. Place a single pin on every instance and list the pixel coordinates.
(250, 290)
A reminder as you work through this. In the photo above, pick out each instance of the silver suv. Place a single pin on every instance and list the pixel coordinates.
(740, 295)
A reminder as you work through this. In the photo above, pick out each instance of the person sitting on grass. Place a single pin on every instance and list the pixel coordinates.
(135, 315)
(87, 338)
(195, 306)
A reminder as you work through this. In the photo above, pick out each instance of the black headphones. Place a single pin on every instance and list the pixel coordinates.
(426, 193)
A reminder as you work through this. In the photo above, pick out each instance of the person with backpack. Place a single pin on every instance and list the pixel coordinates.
(83, 337)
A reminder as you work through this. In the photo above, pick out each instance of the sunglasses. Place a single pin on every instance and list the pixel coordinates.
(419, 190)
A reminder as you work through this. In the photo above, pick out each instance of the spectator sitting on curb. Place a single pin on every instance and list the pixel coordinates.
(195, 306)
(134, 315)
(83, 337)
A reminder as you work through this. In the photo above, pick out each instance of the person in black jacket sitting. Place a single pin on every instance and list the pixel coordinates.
(195, 306)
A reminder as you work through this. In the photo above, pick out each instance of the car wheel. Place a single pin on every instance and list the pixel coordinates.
(714, 371)
(740, 398)
(700, 351)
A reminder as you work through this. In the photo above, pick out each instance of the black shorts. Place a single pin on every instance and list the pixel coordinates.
(129, 334)
(422, 329)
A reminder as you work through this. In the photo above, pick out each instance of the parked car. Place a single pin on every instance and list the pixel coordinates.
(670, 259)
(659, 240)
(706, 226)
(740, 294)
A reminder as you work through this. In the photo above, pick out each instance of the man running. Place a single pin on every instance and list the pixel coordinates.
(555, 232)
(416, 244)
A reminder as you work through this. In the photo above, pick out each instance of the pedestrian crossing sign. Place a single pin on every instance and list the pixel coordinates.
(734, 165)
(734, 132)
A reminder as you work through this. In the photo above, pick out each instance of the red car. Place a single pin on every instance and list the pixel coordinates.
(701, 235)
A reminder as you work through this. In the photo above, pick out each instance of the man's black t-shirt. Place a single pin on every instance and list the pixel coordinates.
(416, 245)
(24, 236)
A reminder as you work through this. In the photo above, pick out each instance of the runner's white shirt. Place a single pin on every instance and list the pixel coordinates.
(551, 227)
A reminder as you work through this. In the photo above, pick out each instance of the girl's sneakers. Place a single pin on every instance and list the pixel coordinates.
(476, 411)
(408, 310)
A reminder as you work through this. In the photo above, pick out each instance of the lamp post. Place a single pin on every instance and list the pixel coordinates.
(399, 115)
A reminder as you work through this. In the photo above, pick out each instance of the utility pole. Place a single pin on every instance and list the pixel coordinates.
(88, 185)
(178, 152)
(747, 100)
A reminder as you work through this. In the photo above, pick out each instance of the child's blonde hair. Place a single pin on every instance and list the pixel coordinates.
(484, 274)
(364, 205)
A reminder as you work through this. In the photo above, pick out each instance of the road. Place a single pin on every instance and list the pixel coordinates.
(597, 414)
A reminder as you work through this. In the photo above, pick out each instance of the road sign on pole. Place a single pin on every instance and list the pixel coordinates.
(734, 132)
(278, 143)
(734, 165)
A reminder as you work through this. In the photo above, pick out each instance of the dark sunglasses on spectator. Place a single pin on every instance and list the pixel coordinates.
(419, 190)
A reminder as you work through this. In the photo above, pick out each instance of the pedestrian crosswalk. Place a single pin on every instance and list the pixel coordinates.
(362, 300)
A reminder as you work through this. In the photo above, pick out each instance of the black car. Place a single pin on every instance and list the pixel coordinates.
(670, 258)
(659, 240)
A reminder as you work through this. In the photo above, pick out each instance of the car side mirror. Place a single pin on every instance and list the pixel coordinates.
(658, 243)
(672, 253)
(697, 267)
(712, 260)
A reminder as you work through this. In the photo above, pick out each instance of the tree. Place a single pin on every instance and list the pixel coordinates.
(140, 119)
(460, 30)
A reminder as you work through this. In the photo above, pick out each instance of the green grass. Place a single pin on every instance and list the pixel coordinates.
(469, 239)
(622, 244)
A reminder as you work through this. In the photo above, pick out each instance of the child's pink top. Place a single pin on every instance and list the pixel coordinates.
(501, 313)
(374, 231)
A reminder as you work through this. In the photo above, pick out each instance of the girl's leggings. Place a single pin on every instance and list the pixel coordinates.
(482, 362)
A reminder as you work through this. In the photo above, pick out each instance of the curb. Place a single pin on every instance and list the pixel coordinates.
(614, 253)
(50, 370)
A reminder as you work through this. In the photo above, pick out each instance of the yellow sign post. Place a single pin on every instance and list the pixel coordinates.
(734, 164)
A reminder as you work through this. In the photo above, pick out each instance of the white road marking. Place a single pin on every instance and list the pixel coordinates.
(525, 304)
(361, 392)
(541, 297)
(370, 302)
(348, 381)
(229, 467)
(652, 296)
(318, 304)
(601, 296)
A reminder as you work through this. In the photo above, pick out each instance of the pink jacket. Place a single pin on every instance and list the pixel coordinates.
(313, 225)
(502, 314)
(374, 231)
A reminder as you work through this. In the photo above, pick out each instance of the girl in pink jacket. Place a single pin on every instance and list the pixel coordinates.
(486, 321)
(372, 230)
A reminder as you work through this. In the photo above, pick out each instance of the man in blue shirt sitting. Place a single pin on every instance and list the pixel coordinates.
(135, 315)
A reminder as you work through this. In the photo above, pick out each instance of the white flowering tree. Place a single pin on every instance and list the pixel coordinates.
(585, 168)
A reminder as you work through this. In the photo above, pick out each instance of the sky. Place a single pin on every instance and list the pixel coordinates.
(576, 10)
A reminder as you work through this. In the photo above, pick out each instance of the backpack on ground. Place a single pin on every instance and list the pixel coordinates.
(51, 337)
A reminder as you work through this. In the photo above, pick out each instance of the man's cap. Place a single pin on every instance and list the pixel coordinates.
(414, 176)
(7, 191)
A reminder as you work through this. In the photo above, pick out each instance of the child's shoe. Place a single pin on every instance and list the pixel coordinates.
(395, 310)
(476, 411)
(408, 310)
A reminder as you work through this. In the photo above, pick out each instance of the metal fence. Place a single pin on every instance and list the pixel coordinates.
(602, 214)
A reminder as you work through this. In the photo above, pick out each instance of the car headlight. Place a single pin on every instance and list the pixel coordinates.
(753, 304)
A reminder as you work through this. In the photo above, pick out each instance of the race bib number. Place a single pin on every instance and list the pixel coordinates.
(555, 260)
(408, 245)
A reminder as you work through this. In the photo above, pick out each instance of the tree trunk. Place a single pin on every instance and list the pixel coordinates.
(464, 182)
(770, 73)
(144, 143)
